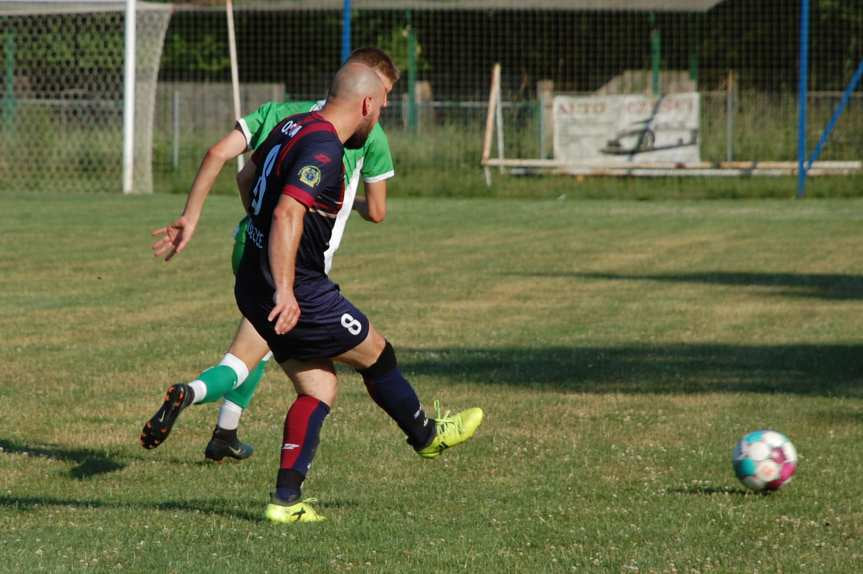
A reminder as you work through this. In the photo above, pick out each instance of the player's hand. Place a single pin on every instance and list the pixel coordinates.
(173, 238)
(286, 313)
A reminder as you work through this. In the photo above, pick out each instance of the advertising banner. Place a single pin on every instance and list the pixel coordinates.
(629, 129)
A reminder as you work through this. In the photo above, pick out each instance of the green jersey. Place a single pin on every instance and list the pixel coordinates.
(374, 159)
(373, 162)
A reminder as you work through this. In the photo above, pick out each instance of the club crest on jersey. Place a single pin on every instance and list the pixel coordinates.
(310, 175)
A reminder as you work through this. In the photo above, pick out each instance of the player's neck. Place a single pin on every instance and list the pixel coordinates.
(342, 120)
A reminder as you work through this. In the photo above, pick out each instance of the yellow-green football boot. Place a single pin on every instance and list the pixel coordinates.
(451, 430)
(296, 512)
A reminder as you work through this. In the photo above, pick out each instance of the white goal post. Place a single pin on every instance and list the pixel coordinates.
(86, 71)
(129, 44)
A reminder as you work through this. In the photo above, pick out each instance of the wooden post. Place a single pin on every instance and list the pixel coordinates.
(499, 121)
(545, 95)
(489, 120)
(425, 113)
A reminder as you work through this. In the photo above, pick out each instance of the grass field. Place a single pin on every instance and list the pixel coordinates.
(619, 349)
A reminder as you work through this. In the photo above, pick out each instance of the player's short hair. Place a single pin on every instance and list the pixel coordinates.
(376, 59)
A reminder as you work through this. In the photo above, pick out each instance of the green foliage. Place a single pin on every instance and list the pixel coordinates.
(197, 54)
(838, 10)
(54, 47)
(395, 43)
(61, 47)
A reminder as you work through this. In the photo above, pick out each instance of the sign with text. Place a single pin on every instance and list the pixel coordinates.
(630, 129)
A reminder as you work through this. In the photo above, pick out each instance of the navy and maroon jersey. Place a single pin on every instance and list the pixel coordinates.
(301, 158)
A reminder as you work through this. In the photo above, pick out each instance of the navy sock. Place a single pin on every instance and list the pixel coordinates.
(395, 395)
(289, 483)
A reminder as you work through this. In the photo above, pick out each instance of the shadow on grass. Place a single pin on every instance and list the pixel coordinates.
(221, 507)
(815, 370)
(830, 286)
(93, 462)
(89, 462)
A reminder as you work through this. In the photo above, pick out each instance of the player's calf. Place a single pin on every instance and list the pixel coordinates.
(394, 394)
(209, 386)
(224, 442)
(299, 443)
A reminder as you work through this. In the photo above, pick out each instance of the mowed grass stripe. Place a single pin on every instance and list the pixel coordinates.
(619, 350)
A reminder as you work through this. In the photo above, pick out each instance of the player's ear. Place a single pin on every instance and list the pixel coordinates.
(367, 106)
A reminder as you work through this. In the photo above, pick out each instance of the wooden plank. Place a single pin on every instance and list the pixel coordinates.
(490, 115)
(696, 169)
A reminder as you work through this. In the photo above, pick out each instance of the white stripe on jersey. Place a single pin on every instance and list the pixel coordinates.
(246, 133)
(323, 213)
(380, 177)
(342, 217)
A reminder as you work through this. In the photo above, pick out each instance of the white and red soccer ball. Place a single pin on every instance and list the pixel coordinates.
(765, 460)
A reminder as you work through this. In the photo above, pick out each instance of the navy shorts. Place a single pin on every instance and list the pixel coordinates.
(329, 324)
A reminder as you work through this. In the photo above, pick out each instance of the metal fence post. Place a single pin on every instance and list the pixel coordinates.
(9, 95)
(802, 96)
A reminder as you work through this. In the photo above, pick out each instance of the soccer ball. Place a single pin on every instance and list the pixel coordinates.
(765, 460)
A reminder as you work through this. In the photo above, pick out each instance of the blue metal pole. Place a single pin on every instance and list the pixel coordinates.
(346, 30)
(802, 96)
(843, 103)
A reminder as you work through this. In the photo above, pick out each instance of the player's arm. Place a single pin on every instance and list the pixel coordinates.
(377, 168)
(285, 235)
(173, 238)
(373, 207)
(245, 182)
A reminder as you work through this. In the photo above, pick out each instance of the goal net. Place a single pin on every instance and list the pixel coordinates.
(62, 93)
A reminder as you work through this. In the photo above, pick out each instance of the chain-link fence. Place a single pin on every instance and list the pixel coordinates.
(740, 56)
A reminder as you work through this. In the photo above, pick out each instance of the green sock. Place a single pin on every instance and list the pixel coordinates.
(242, 395)
(218, 380)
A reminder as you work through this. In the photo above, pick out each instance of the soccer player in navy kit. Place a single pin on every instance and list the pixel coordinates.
(293, 188)
(231, 379)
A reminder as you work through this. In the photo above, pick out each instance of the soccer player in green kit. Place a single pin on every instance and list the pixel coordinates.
(231, 379)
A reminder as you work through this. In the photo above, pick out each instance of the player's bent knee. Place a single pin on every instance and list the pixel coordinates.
(385, 363)
(237, 365)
